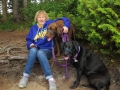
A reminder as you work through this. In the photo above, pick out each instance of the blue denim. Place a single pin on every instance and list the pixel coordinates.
(42, 55)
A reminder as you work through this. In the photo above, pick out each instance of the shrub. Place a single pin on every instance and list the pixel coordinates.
(100, 24)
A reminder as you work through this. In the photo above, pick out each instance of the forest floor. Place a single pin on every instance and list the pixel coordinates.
(12, 43)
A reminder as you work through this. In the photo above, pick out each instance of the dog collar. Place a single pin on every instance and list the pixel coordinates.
(51, 31)
(68, 50)
(75, 60)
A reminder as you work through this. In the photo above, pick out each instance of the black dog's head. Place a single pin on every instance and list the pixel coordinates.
(69, 48)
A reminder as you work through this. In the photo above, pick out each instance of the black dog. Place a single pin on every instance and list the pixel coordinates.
(86, 63)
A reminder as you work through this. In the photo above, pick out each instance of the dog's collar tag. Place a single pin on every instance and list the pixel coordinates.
(75, 60)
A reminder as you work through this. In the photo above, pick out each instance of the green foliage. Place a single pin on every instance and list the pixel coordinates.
(8, 26)
(11, 25)
(53, 8)
(100, 24)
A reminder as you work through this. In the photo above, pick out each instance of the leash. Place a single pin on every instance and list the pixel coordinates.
(63, 65)
(75, 60)
(64, 39)
(51, 32)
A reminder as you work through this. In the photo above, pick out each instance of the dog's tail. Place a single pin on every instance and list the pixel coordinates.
(74, 36)
(73, 31)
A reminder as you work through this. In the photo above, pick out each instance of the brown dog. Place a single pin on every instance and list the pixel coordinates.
(55, 29)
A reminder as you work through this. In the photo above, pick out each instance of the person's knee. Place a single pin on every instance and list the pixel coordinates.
(40, 53)
(33, 50)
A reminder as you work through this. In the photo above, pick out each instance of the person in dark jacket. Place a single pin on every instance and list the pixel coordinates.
(40, 47)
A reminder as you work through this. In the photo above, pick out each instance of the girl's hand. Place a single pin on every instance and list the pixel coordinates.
(65, 29)
(32, 45)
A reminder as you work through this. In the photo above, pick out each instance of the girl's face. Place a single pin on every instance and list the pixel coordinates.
(41, 19)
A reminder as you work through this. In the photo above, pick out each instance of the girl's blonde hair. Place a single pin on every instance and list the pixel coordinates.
(39, 13)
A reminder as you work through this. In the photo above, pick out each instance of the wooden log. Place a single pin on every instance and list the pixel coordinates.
(17, 58)
(4, 61)
(4, 57)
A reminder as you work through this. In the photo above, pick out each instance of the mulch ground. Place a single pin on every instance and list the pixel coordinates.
(13, 54)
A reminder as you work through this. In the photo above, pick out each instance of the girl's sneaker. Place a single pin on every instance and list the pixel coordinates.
(52, 85)
(23, 82)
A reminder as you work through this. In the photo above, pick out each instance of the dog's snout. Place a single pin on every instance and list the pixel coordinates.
(65, 53)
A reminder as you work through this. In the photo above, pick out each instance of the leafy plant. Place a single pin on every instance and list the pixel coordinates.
(100, 24)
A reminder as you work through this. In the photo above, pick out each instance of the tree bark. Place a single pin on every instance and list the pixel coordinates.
(16, 15)
(4, 10)
(25, 3)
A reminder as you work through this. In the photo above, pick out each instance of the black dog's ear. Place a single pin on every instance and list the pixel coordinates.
(62, 45)
(76, 45)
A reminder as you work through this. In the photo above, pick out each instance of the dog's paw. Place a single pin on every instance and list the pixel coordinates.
(75, 84)
(72, 87)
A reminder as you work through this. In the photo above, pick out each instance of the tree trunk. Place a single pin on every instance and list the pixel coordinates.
(4, 10)
(16, 16)
(25, 3)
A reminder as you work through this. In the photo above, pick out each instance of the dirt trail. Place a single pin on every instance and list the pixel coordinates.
(10, 73)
